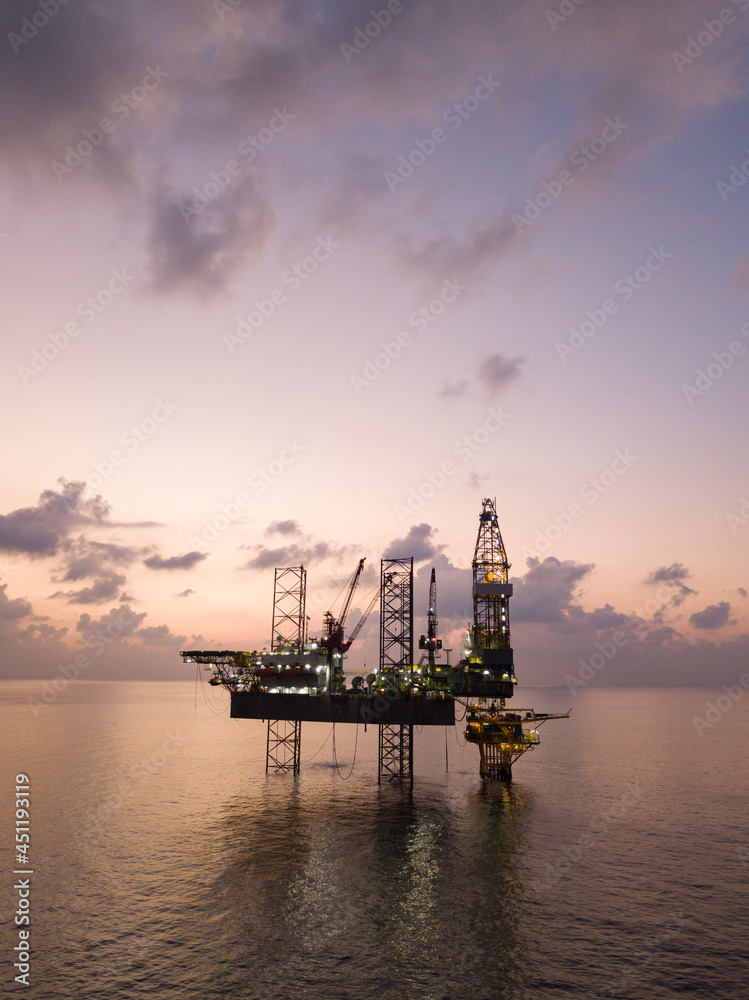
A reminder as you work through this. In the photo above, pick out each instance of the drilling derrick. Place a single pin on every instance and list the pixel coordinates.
(501, 736)
(490, 635)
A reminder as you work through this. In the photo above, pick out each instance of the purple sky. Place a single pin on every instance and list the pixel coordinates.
(299, 282)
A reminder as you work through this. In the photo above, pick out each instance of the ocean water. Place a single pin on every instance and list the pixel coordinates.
(166, 863)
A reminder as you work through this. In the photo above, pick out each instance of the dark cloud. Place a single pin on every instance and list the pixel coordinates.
(454, 600)
(546, 593)
(673, 576)
(418, 542)
(11, 609)
(101, 590)
(118, 623)
(283, 528)
(674, 573)
(296, 554)
(226, 73)
(187, 561)
(495, 372)
(41, 530)
(468, 258)
(87, 558)
(599, 618)
(741, 592)
(201, 252)
(713, 616)
(159, 635)
(185, 593)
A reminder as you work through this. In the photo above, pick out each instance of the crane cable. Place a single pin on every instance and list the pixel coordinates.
(212, 708)
(321, 746)
(335, 757)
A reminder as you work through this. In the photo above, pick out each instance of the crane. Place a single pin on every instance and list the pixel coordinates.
(369, 609)
(332, 628)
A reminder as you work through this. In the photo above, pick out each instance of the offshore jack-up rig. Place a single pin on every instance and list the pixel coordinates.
(301, 679)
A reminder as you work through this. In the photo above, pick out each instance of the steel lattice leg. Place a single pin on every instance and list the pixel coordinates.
(284, 746)
(395, 753)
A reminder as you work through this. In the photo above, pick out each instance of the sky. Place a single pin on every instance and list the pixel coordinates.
(292, 282)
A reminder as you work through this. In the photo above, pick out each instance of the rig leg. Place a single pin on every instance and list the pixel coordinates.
(495, 762)
(395, 754)
(283, 749)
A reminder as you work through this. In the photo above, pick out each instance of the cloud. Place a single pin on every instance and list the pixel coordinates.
(470, 257)
(185, 593)
(295, 554)
(419, 543)
(673, 576)
(117, 623)
(283, 528)
(495, 372)
(741, 592)
(87, 558)
(159, 635)
(713, 616)
(546, 593)
(41, 530)
(202, 252)
(101, 590)
(12, 609)
(187, 561)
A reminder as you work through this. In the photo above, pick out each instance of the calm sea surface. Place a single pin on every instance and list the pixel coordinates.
(166, 863)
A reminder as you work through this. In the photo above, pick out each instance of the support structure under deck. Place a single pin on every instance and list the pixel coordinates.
(284, 747)
(395, 755)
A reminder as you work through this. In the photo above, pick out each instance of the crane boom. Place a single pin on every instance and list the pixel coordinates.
(352, 588)
(360, 624)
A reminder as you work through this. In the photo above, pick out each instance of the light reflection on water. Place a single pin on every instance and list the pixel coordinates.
(192, 874)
